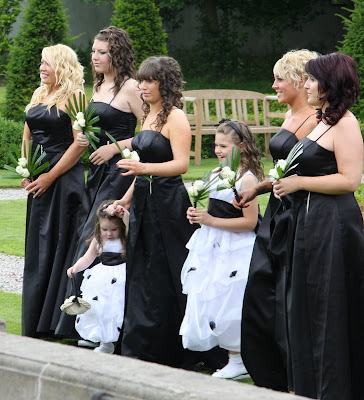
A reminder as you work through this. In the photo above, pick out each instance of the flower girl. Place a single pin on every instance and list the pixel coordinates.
(215, 272)
(103, 285)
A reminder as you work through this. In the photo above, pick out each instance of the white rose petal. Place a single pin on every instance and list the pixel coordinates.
(226, 183)
(190, 190)
(199, 185)
(225, 172)
(126, 153)
(273, 173)
(22, 162)
(231, 175)
(282, 164)
(77, 126)
(80, 115)
(19, 169)
(81, 122)
(134, 156)
(25, 173)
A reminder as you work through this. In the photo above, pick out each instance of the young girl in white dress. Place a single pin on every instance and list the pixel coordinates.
(103, 285)
(215, 272)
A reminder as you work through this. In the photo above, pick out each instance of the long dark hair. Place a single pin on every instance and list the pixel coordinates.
(121, 57)
(167, 72)
(102, 214)
(338, 84)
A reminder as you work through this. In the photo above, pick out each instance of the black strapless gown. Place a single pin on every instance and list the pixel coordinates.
(263, 342)
(51, 221)
(159, 231)
(325, 285)
(104, 182)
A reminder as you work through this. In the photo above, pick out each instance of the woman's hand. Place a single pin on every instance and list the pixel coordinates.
(82, 140)
(134, 167)
(196, 216)
(25, 182)
(245, 197)
(115, 209)
(286, 186)
(102, 154)
(40, 185)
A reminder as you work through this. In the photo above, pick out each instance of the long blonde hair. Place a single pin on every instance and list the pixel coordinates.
(69, 76)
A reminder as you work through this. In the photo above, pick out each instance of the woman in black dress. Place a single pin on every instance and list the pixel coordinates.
(118, 104)
(158, 229)
(55, 195)
(263, 343)
(324, 312)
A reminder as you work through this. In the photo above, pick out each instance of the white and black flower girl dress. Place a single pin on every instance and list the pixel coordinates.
(103, 286)
(214, 277)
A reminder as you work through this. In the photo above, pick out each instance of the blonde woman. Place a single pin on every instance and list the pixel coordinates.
(54, 196)
(263, 342)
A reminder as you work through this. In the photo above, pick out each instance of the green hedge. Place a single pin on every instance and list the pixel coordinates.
(10, 132)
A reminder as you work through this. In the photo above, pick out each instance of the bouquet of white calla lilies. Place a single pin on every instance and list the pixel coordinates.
(281, 167)
(26, 167)
(83, 117)
(126, 153)
(200, 189)
(229, 172)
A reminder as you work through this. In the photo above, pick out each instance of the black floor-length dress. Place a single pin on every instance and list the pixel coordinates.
(325, 287)
(51, 221)
(263, 343)
(104, 182)
(158, 233)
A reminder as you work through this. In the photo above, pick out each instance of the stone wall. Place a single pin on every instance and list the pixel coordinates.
(32, 369)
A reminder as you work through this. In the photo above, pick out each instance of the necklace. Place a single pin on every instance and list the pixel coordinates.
(300, 110)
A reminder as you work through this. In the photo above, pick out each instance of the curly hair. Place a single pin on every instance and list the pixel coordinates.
(167, 72)
(69, 76)
(102, 214)
(338, 84)
(121, 57)
(250, 155)
(291, 67)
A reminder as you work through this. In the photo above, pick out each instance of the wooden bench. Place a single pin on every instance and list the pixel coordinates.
(205, 108)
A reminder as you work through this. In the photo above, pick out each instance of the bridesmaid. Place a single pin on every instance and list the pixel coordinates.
(158, 229)
(263, 343)
(55, 195)
(324, 317)
(118, 104)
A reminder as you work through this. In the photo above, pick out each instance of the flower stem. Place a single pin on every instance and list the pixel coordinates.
(237, 198)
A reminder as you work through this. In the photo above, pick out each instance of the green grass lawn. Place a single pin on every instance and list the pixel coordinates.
(10, 311)
(12, 226)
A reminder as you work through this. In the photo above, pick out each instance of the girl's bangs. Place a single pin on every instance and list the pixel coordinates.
(147, 71)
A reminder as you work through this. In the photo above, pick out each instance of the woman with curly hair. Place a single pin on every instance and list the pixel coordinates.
(323, 307)
(118, 104)
(55, 195)
(158, 229)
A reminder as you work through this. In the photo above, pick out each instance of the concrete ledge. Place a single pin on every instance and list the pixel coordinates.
(35, 369)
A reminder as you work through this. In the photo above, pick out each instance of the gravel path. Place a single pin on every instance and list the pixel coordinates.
(11, 267)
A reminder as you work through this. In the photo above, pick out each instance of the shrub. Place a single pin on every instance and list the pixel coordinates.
(44, 24)
(11, 132)
(141, 20)
(353, 46)
(9, 10)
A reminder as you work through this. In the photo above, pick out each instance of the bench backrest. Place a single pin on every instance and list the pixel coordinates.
(205, 108)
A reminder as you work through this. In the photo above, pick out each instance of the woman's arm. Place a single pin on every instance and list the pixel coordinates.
(106, 152)
(178, 130)
(85, 261)
(26, 138)
(347, 144)
(66, 162)
(246, 222)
